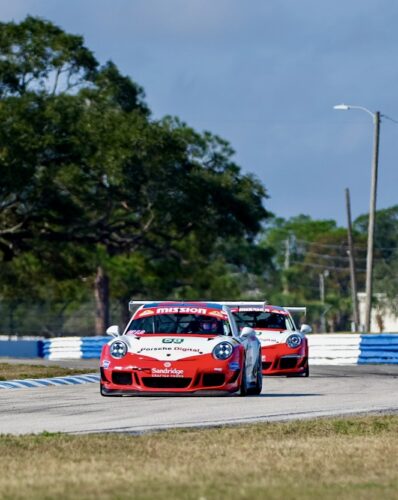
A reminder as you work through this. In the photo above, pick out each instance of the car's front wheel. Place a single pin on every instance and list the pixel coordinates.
(107, 393)
(102, 391)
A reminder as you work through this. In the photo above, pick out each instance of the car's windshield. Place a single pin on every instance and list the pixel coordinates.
(180, 323)
(261, 319)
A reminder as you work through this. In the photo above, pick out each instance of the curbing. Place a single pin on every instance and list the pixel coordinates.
(45, 382)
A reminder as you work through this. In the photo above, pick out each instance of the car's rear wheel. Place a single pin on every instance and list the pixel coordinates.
(243, 383)
(256, 390)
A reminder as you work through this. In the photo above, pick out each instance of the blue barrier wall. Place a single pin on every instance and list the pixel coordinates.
(21, 348)
(92, 346)
(381, 348)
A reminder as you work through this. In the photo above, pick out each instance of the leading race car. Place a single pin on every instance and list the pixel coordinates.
(181, 347)
(284, 348)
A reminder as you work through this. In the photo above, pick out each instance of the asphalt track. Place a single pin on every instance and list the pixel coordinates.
(329, 391)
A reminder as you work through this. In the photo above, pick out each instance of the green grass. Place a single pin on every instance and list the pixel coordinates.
(346, 458)
(9, 371)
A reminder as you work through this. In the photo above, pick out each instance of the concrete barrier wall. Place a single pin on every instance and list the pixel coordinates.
(74, 347)
(334, 349)
(325, 349)
(343, 349)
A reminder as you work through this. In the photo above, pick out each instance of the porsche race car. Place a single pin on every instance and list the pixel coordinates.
(284, 348)
(181, 347)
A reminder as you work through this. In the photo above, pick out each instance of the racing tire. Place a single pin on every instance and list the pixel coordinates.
(104, 394)
(107, 394)
(256, 390)
(243, 390)
(306, 373)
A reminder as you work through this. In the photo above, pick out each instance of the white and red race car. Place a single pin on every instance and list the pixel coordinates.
(181, 347)
(284, 348)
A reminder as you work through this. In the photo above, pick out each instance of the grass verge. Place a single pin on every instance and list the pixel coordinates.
(9, 371)
(347, 458)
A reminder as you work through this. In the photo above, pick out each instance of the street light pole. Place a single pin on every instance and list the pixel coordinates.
(372, 209)
(371, 227)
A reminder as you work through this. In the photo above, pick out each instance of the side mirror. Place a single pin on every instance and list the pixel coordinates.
(305, 329)
(247, 332)
(113, 331)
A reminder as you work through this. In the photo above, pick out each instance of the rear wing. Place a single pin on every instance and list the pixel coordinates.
(263, 305)
(135, 304)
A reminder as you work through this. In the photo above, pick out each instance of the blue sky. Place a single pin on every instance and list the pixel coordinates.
(265, 75)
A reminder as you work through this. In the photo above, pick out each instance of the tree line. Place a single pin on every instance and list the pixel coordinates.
(99, 198)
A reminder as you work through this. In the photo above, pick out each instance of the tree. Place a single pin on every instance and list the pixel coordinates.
(385, 251)
(84, 165)
(311, 254)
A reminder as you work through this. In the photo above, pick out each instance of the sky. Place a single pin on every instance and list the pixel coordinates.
(265, 75)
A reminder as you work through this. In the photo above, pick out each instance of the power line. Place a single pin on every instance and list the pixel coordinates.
(320, 266)
(329, 256)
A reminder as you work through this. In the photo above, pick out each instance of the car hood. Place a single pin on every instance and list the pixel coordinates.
(173, 347)
(272, 337)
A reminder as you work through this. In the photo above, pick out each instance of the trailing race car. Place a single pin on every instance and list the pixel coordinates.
(284, 348)
(181, 347)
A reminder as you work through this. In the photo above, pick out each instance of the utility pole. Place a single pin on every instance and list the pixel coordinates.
(351, 256)
(372, 214)
(372, 209)
(286, 265)
(322, 296)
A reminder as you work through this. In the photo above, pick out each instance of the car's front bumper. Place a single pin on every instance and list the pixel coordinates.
(279, 359)
(137, 376)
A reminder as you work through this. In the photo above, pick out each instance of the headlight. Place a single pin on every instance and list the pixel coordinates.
(293, 341)
(118, 349)
(223, 350)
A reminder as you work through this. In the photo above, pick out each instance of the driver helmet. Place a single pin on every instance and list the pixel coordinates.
(209, 326)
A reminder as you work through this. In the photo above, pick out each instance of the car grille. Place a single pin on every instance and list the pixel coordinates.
(213, 379)
(286, 363)
(103, 377)
(121, 378)
(166, 382)
(265, 365)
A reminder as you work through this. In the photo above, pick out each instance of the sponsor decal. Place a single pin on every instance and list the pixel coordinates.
(187, 349)
(106, 363)
(167, 372)
(145, 312)
(163, 348)
(234, 365)
(218, 369)
(189, 310)
(167, 364)
(172, 341)
(217, 314)
(263, 358)
(143, 349)
(135, 332)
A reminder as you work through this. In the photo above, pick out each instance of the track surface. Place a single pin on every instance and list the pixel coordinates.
(80, 409)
